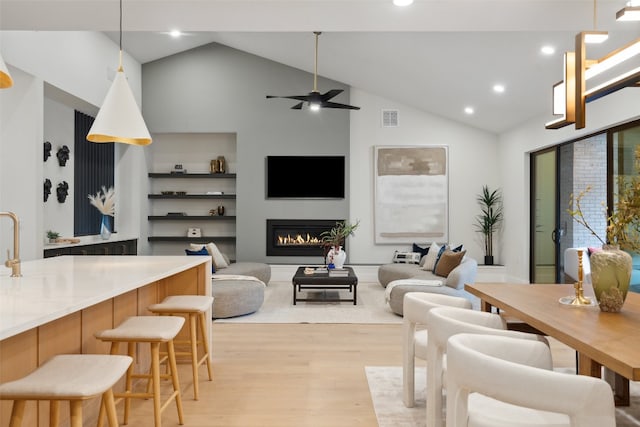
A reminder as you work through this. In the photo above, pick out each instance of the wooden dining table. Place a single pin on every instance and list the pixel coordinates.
(601, 339)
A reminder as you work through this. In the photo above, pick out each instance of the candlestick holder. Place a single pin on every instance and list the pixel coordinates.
(579, 300)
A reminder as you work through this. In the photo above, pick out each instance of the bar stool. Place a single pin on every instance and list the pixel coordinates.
(153, 330)
(195, 307)
(72, 377)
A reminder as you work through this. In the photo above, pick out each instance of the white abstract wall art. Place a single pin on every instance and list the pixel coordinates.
(411, 203)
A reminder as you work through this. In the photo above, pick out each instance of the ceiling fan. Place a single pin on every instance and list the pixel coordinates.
(315, 99)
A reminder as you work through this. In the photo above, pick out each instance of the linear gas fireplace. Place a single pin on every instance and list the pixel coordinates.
(296, 237)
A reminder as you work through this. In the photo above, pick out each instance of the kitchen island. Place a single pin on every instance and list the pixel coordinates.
(60, 302)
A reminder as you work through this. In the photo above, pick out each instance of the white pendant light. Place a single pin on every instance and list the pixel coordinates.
(5, 78)
(119, 119)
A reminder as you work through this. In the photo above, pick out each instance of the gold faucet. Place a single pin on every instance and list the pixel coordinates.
(15, 262)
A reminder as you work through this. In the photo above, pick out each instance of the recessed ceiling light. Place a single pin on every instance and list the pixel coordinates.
(175, 33)
(402, 2)
(548, 50)
(468, 110)
(498, 88)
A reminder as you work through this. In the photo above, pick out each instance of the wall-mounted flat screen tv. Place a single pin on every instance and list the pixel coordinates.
(306, 177)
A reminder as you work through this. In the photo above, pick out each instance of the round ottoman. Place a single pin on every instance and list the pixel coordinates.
(236, 297)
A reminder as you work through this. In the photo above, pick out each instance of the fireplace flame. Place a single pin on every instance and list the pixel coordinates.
(298, 239)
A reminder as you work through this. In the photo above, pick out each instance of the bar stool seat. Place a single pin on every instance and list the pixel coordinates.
(195, 308)
(72, 377)
(153, 330)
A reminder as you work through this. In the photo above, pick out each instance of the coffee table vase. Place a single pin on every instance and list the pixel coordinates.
(336, 257)
(610, 276)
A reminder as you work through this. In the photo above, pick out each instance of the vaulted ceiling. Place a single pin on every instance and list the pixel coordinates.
(439, 56)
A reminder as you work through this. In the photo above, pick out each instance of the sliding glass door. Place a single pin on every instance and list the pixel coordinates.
(544, 208)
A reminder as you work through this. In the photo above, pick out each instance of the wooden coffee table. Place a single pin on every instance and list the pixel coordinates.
(325, 281)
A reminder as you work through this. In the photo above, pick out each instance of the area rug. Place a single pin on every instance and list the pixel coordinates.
(278, 307)
(385, 386)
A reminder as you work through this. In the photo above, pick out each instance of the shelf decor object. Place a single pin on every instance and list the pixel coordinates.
(119, 118)
(105, 202)
(5, 78)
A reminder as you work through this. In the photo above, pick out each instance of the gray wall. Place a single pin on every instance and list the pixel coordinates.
(214, 88)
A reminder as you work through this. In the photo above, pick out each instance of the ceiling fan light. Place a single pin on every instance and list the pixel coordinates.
(631, 13)
(595, 37)
(314, 106)
(5, 78)
(119, 118)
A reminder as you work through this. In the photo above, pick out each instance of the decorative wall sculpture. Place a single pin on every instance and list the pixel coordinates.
(47, 150)
(411, 194)
(47, 189)
(63, 155)
(62, 191)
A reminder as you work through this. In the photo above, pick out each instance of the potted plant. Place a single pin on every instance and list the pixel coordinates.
(333, 241)
(489, 220)
(52, 236)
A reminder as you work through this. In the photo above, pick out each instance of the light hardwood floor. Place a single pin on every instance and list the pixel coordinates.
(286, 375)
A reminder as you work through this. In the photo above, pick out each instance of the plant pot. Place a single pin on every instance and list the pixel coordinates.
(610, 277)
(488, 260)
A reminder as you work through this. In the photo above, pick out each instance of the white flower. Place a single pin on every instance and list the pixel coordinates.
(104, 201)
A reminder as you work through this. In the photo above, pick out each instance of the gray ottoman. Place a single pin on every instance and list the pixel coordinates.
(397, 288)
(233, 298)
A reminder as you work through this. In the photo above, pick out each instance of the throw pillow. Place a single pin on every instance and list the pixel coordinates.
(448, 261)
(457, 249)
(202, 251)
(216, 256)
(440, 252)
(422, 251)
(430, 257)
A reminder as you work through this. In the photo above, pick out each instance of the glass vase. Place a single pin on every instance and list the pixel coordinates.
(610, 276)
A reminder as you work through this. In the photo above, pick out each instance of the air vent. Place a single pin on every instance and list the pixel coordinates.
(389, 118)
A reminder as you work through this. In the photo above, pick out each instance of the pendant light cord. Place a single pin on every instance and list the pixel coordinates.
(595, 13)
(120, 67)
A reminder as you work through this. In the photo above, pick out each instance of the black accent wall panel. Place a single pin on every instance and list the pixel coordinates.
(93, 169)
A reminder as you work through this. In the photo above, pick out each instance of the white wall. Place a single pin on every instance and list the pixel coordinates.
(514, 149)
(81, 64)
(473, 161)
(21, 164)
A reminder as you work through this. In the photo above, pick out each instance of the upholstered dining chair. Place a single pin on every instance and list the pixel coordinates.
(524, 389)
(415, 307)
(445, 322)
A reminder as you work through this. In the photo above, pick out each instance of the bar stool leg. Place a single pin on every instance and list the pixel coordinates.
(205, 344)
(155, 372)
(109, 404)
(17, 413)
(174, 379)
(194, 353)
(76, 414)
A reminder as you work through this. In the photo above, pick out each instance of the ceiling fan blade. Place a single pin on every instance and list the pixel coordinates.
(330, 94)
(336, 105)
(297, 106)
(296, 97)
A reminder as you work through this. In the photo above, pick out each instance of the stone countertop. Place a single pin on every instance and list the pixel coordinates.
(52, 288)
